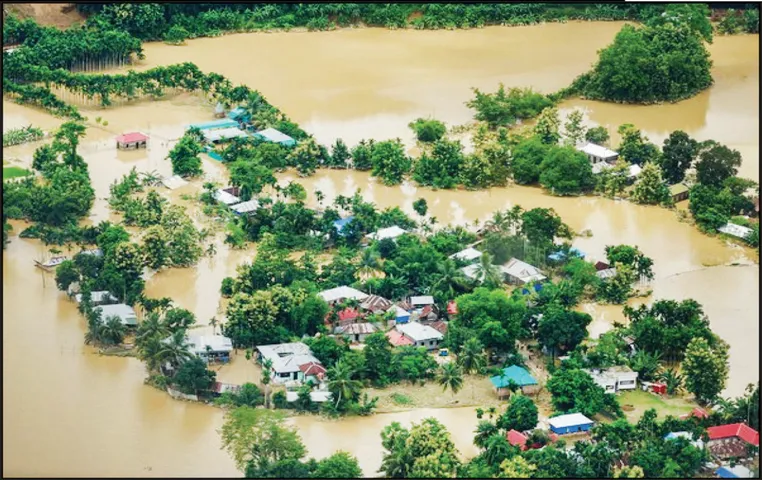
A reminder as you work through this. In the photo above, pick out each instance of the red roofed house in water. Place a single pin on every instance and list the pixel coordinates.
(731, 440)
(132, 140)
(519, 439)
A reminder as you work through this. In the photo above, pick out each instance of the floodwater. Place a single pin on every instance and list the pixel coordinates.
(69, 412)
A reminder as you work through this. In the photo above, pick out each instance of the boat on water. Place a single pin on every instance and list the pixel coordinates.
(51, 263)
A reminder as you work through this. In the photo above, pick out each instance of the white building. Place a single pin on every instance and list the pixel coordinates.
(614, 379)
(225, 197)
(391, 232)
(210, 347)
(291, 362)
(521, 273)
(734, 230)
(245, 207)
(597, 154)
(97, 298)
(421, 335)
(468, 255)
(125, 313)
(343, 292)
(421, 300)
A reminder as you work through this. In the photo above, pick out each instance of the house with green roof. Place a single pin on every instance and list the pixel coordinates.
(517, 375)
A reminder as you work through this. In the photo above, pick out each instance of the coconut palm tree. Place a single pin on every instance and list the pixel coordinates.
(368, 263)
(112, 331)
(149, 328)
(450, 376)
(150, 352)
(672, 379)
(487, 273)
(450, 281)
(341, 384)
(471, 358)
(484, 430)
(213, 322)
(267, 366)
(176, 350)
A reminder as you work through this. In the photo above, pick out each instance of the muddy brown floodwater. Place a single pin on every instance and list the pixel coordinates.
(69, 412)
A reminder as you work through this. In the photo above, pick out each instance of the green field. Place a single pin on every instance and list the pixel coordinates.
(15, 172)
(642, 401)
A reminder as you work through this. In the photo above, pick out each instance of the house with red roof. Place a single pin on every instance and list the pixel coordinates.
(731, 440)
(313, 371)
(520, 439)
(397, 339)
(131, 140)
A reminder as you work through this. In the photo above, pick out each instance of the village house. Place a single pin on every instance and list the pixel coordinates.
(678, 192)
(223, 134)
(384, 233)
(275, 136)
(738, 471)
(570, 423)
(468, 255)
(420, 335)
(291, 362)
(697, 412)
(226, 196)
(210, 348)
(519, 439)
(606, 273)
(734, 230)
(245, 207)
(397, 339)
(401, 315)
(731, 440)
(615, 378)
(131, 141)
(598, 154)
(125, 313)
(339, 294)
(355, 332)
(514, 374)
(376, 304)
(521, 273)
(101, 297)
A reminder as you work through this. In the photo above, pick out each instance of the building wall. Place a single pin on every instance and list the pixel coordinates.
(571, 429)
(428, 344)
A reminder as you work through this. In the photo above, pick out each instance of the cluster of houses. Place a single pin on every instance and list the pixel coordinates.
(414, 321)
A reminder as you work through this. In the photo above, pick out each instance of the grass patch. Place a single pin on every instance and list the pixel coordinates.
(401, 399)
(642, 401)
(15, 172)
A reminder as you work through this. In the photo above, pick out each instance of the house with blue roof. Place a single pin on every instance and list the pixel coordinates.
(514, 374)
(239, 115)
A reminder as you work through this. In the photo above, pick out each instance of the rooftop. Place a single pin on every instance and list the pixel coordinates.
(222, 123)
(217, 134)
(422, 300)
(677, 189)
(274, 135)
(397, 339)
(357, 329)
(287, 357)
(342, 292)
(522, 270)
(739, 471)
(569, 420)
(419, 332)
(375, 302)
(467, 255)
(519, 375)
(246, 207)
(390, 232)
(225, 197)
(217, 343)
(125, 312)
(740, 430)
(597, 151)
(132, 137)
(516, 438)
(97, 297)
(735, 230)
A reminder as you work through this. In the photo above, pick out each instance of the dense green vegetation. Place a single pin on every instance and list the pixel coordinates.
(17, 136)
(663, 60)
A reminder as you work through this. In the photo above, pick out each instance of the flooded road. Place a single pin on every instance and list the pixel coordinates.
(70, 412)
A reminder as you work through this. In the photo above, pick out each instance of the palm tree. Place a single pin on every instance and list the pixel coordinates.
(214, 322)
(149, 328)
(150, 352)
(487, 273)
(176, 350)
(484, 430)
(471, 358)
(267, 366)
(112, 331)
(450, 280)
(498, 222)
(450, 376)
(368, 263)
(341, 384)
(672, 379)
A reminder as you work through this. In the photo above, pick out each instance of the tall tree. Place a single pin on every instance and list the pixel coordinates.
(450, 376)
(575, 131)
(716, 163)
(650, 188)
(548, 125)
(520, 415)
(705, 369)
(339, 465)
(678, 153)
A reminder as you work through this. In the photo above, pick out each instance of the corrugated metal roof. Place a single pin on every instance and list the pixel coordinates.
(522, 270)
(342, 292)
(740, 430)
(597, 151)
(225, 197)
(246, 207)
(132, 137)
(391, 232)
(519, 375)
(419, 332)
(569, 420)
(467, 255)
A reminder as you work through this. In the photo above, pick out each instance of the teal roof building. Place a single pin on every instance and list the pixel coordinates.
(519, 375)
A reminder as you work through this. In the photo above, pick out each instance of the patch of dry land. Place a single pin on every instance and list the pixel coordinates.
(477, 391)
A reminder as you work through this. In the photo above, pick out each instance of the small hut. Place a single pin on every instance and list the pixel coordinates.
(133, 140)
